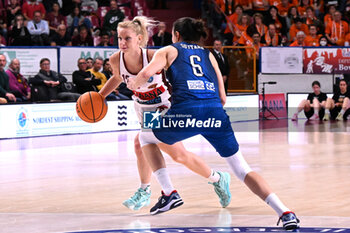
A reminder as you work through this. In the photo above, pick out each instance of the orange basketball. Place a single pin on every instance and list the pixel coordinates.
(91, 107)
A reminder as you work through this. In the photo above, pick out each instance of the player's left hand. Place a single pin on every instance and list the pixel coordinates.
(131, 83)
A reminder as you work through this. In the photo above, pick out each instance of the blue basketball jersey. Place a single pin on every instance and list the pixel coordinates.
(192, 75)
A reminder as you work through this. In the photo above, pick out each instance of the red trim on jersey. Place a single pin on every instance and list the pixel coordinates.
(149, 95)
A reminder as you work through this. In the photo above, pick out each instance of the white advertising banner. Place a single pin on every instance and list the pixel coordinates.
(242, 107)
(30, 58)
(282, 60)
(69, 56)
(61, 118)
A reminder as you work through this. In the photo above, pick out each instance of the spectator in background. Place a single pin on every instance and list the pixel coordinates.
(312, 39)
(75, 20)
(13, 9)
(300, 41)
(17, 83)
(296, 27)
(260, 6)
(292, 15)
(241, 27)
(328, 18)
(318, 6)
(30, 7)
(48, 84)
(283, 8)
(4, 82)
(271, 38)
(257, 25)
(323, 42)
(104, 40)
(304, 4)
(83, 79)
(106, 68)
(55, 18)
(112, 19)
(19, 34)
(92, 4)
(347, 40)
(228, 7)
(39, 30)
(61, 38)
(273, 17)
(83, 38)
(89, 62)
(222, 61)
(336, 30)
(312, 19)
(95, 70)
(68, 5)
(247, 6)
(231, 24)
(162, 37)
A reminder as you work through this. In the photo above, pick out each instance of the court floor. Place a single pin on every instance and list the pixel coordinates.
(76, 183)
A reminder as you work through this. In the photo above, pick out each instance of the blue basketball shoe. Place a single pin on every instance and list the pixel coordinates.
(141, 198)
(289, 220)
(166, 203)
(222, 188)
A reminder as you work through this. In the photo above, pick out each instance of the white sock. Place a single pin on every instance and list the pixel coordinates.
(164, 180)
(276, 204)
(342, 111)
(214, 176)
(327, 111)
(316, 112)
(144, 186)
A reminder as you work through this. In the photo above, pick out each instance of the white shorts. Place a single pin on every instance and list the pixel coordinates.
(140, 108)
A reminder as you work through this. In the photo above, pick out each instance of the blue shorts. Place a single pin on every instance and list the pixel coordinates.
(205, 118)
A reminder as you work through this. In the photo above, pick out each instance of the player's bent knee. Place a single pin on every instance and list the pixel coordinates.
(147, 138)
(239, 166)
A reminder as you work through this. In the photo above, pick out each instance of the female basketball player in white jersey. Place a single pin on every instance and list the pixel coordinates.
(198, 91)
(153, 95)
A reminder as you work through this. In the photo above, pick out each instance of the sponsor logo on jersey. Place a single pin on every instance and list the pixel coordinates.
(200, 85)
(156, 100)
(150, 94)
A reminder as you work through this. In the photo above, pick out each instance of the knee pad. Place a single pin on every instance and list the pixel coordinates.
(147, 137)
(238, 164)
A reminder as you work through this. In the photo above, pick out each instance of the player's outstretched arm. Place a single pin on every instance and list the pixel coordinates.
(221, 85)
(115, 80)
(159, 61)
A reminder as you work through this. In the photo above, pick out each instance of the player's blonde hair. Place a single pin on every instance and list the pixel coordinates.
(140, 25)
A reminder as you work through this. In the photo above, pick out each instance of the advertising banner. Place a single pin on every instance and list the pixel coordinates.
(327, 60)
(69, 56)
(242, 108)
(276, 103)
(282, 60)
(30, 58)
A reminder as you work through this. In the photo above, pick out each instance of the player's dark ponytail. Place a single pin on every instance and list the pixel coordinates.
(190, 30)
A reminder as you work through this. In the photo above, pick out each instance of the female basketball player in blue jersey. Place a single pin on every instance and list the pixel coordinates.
(197, 108)
(126, 63)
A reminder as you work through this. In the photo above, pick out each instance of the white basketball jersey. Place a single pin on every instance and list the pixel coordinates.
(154, 91)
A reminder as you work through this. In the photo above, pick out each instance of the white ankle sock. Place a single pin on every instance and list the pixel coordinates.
(276, 204)
(164, 180)
(327, 111)
(342, 111)
(316, 112)
(214, 176)
(144, 186)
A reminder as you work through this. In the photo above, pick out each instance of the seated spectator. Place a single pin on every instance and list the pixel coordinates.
(83, 38)
(312, 19)
(107, 69)
(95, 70)
(89, 62)
(19, 35)
(13, 9)
(17, 83)
(3, 28)
(247, 6)
(30, 7)
(76, 20)
(39, 30)
(292, 15)
(328, 18)
(83, 79)
(112, 18)
(300, 41)
(347, 40)
(274, 2)
(314, 105)
(258, 25)
(48, 85)
(92, 4)
(336, 30)
(241, 27)
(162, 37)
(273, 17)
(4, 83)
(312, 39)
(304, 4)
(283, 8)
(68, 6)
(231, 24)
(296, 27)
(61, 38)
(55, 18)
(338, 106)
(228, 7)
(260, 6)
(104, 40)
(271, 38)
(318, 6)
(323, 41)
